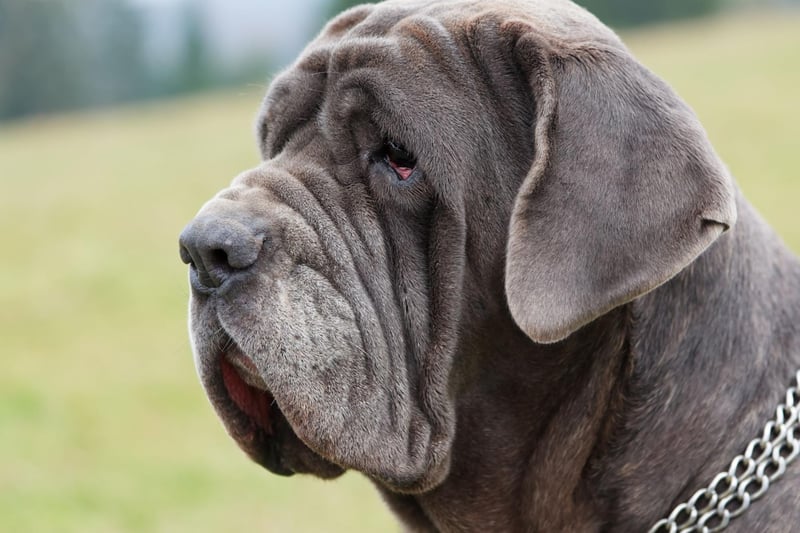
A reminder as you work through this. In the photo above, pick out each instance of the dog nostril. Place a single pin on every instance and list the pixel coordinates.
(186, 257)
(219, 259)
(218, 248)
(216, 269)
(211, 266)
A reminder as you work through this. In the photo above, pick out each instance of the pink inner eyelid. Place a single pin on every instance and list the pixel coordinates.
(402, 172)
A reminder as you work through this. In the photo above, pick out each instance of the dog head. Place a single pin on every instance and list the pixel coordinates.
(427, 168)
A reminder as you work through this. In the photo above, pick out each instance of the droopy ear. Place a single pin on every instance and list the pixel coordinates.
(624, 192)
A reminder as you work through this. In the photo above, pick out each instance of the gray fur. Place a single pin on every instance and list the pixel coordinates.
(563, 325)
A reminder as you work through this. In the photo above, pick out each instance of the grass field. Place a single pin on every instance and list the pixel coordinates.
(103, 426)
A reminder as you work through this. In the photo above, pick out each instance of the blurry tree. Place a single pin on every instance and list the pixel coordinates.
(67, 54)
(112, 34)
(337, 6)
(195, 70)
(616, 13)
(37, 57)
(634, 12)
(58, 54)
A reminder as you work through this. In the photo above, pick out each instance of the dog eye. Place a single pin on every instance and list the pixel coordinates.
(400, 159)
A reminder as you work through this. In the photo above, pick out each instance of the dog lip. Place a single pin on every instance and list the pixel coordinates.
(246, 390)
(251, 414)
(251, 423)
(246, 369)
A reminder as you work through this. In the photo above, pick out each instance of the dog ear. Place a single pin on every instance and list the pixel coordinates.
(625, 189)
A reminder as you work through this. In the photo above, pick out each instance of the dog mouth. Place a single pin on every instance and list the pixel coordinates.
(253, 416)
(247, 390)
(255, 421)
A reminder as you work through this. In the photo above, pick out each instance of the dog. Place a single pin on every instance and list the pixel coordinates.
(493, 263)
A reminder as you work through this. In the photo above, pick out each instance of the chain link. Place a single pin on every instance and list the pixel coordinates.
(749, 476)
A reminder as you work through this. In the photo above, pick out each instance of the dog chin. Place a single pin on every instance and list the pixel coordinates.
(253, 417)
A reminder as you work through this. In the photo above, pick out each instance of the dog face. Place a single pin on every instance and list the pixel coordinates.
(430, 170)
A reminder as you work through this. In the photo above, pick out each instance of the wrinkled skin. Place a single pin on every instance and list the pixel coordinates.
(548, 319)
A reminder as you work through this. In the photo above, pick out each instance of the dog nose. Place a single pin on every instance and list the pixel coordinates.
(217, 247)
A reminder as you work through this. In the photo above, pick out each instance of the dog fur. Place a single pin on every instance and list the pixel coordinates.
(568, 320)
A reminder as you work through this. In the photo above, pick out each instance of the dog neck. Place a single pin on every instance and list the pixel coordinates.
(713, 350)
(629, 415)
(527, 430)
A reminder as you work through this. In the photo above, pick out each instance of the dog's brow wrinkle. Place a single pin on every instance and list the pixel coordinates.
(443, 49)
(347, 22)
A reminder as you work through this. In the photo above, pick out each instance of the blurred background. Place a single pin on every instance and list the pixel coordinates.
(118, 119)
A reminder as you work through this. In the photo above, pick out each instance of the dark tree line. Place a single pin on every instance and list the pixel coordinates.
(624, 13)
(57, 54)
(67, 54)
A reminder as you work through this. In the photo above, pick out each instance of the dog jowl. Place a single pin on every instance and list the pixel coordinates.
(477, 263)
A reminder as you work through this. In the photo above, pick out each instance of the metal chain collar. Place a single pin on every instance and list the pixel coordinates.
(748, 477)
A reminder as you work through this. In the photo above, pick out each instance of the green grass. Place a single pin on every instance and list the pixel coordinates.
(741, 75)
(103, 426)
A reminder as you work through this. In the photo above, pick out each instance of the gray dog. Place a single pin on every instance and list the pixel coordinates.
(490, 261)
